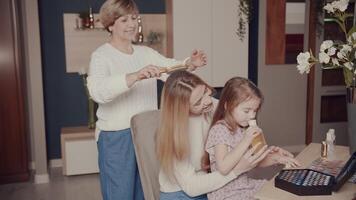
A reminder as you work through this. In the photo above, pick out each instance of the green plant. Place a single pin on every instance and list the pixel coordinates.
(92, 106)
(153, 37)
(244, 17)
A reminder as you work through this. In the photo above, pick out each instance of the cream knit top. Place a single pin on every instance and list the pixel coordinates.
(107, 84)
(190, 177)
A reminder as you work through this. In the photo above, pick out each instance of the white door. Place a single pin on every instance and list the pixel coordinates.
(283, 113)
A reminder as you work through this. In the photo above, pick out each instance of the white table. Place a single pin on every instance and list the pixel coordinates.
(306, 157)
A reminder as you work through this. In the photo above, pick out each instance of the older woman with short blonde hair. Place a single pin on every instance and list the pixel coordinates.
(122, 79)
(111, 10)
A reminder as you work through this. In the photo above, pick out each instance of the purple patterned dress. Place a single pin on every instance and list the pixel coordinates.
(241, 188)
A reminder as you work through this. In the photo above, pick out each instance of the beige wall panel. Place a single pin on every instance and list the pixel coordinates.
(230, 54)
(211, 26)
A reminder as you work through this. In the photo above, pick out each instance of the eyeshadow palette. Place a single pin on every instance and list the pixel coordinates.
(305, 182)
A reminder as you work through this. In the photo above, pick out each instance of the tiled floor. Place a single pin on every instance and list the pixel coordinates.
(83, 187)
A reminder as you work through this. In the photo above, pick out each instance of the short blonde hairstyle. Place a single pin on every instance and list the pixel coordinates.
(111, 10)
(172, 141)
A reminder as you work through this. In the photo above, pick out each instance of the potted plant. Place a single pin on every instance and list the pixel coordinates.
(338, 54)
(92, 106)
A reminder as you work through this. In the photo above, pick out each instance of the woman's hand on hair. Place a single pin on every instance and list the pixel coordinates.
(150, 71)
(250, 159)
(197, 59)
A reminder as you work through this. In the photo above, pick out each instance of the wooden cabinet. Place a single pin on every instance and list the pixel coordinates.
(13, 138)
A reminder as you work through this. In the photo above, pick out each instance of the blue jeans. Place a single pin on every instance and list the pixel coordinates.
(119, 176)
(180, 195)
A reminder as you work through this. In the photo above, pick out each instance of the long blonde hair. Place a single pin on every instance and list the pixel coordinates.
(236, 91)
(172, 141)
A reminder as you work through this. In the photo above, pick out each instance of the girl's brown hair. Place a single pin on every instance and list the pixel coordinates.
(111, 10)
(236, 91)
(172, 141)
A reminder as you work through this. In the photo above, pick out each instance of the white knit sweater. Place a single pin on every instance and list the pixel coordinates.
(107, 84)
(190, 177)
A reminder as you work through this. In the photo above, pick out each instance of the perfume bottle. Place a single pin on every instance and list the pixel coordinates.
(259, 139)
(330, 141)
(324, 149)
(91, 18)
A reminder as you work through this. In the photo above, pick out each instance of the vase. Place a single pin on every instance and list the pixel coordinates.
(91, 113)
(351, 116)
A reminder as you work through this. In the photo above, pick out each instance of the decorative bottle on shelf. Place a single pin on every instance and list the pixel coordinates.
(330, 141)
(91, 18)
(139, 33)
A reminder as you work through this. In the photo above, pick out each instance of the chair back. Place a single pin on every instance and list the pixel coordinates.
(143, 129)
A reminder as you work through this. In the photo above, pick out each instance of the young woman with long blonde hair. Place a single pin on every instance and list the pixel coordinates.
(186, 113)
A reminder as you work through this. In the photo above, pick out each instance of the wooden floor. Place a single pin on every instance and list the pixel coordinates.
(83, 187)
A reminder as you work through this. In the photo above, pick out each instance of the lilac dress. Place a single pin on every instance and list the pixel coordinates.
(240, 188)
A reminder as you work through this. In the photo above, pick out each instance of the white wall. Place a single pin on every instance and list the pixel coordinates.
(295, 13)
(34, 85)
(210, 25)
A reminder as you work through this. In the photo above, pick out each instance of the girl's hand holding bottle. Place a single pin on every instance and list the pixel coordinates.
(250, 159)
(250, 133)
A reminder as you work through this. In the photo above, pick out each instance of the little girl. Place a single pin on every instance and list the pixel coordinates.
(229, 139)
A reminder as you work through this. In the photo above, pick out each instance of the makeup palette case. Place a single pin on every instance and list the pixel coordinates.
(306, 182)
